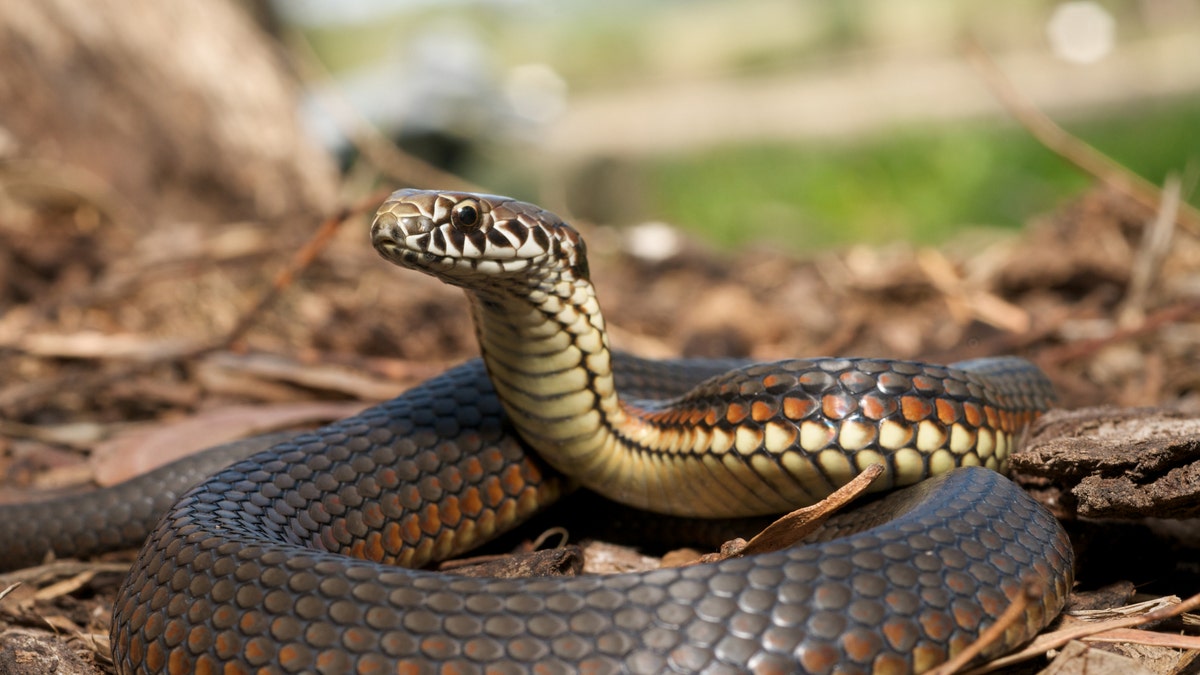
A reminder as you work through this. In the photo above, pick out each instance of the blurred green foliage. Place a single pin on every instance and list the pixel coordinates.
(920, 185)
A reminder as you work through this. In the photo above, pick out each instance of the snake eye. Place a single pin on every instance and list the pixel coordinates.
(465, 214)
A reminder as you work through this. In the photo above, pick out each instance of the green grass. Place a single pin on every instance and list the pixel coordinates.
(920, 185)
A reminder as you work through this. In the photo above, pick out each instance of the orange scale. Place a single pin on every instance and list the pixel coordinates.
(711, 417)
(431, 522)
(763, 410)
(358, 639)
(393, 539)
(967, 615)
(877, 407)
(972, 413)
(470, 503)
(175, 632)
(838, 406)
(925, 383)
(451, 515)
(798, 408)
(948, 411)
(736, 412)
(494, 492)
(411, 530)
(155, 659)
(513, 481)
(915, 409)
(178, 662)
(257, 650)
(860, 645)
(937, 625)
(993, 416)
(226, 642)
(472, 470)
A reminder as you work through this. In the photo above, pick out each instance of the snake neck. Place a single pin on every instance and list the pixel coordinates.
(548, 356)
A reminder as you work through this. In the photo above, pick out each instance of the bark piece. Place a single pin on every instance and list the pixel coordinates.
(25, 652)
(1110, 462)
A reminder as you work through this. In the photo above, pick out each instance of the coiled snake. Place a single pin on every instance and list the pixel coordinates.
(286, 561)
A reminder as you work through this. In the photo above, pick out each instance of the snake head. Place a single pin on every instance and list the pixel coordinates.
(470, 239)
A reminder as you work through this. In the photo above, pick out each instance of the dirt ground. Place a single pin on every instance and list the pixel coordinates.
(112, 348)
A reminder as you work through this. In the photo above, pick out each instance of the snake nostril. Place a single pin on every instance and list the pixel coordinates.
(385, 222)
(390, 231)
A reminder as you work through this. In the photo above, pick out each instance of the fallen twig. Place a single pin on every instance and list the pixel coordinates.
(300, 260)
(1146, 637)
(9, 589)
(798, 524)
(1052, 358)
(1071, 148)
(1147, 262)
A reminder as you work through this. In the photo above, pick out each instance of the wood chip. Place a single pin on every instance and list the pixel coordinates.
(1113, 462)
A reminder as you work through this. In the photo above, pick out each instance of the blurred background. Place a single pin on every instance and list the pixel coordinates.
(764, 177)
(186, 187)
(794, 122)
(159, 161)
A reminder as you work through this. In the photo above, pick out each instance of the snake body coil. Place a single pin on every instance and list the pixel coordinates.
(285, 561)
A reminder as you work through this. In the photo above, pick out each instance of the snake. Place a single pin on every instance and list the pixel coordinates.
(307, 553)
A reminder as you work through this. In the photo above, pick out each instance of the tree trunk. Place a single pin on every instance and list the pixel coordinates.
(181, 110)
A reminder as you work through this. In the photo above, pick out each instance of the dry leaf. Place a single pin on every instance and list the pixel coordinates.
(139, 450)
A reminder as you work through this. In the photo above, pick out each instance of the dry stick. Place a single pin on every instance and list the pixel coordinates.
(1030, 590)
(1155, 243)
(1148, 638)
(1149, 260)
(789, 529)
(1147, 263)
(1069, 147)
(1165, 316)
(1059, 638)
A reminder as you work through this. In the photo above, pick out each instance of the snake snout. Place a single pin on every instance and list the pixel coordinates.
(390, 231)
(389, 226)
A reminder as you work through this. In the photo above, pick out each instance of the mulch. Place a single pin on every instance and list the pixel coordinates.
(107, 328)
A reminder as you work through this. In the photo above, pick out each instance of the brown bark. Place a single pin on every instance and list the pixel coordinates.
(173, 109)
(1110, 462)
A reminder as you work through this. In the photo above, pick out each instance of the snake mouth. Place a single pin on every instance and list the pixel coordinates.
(407, 257)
